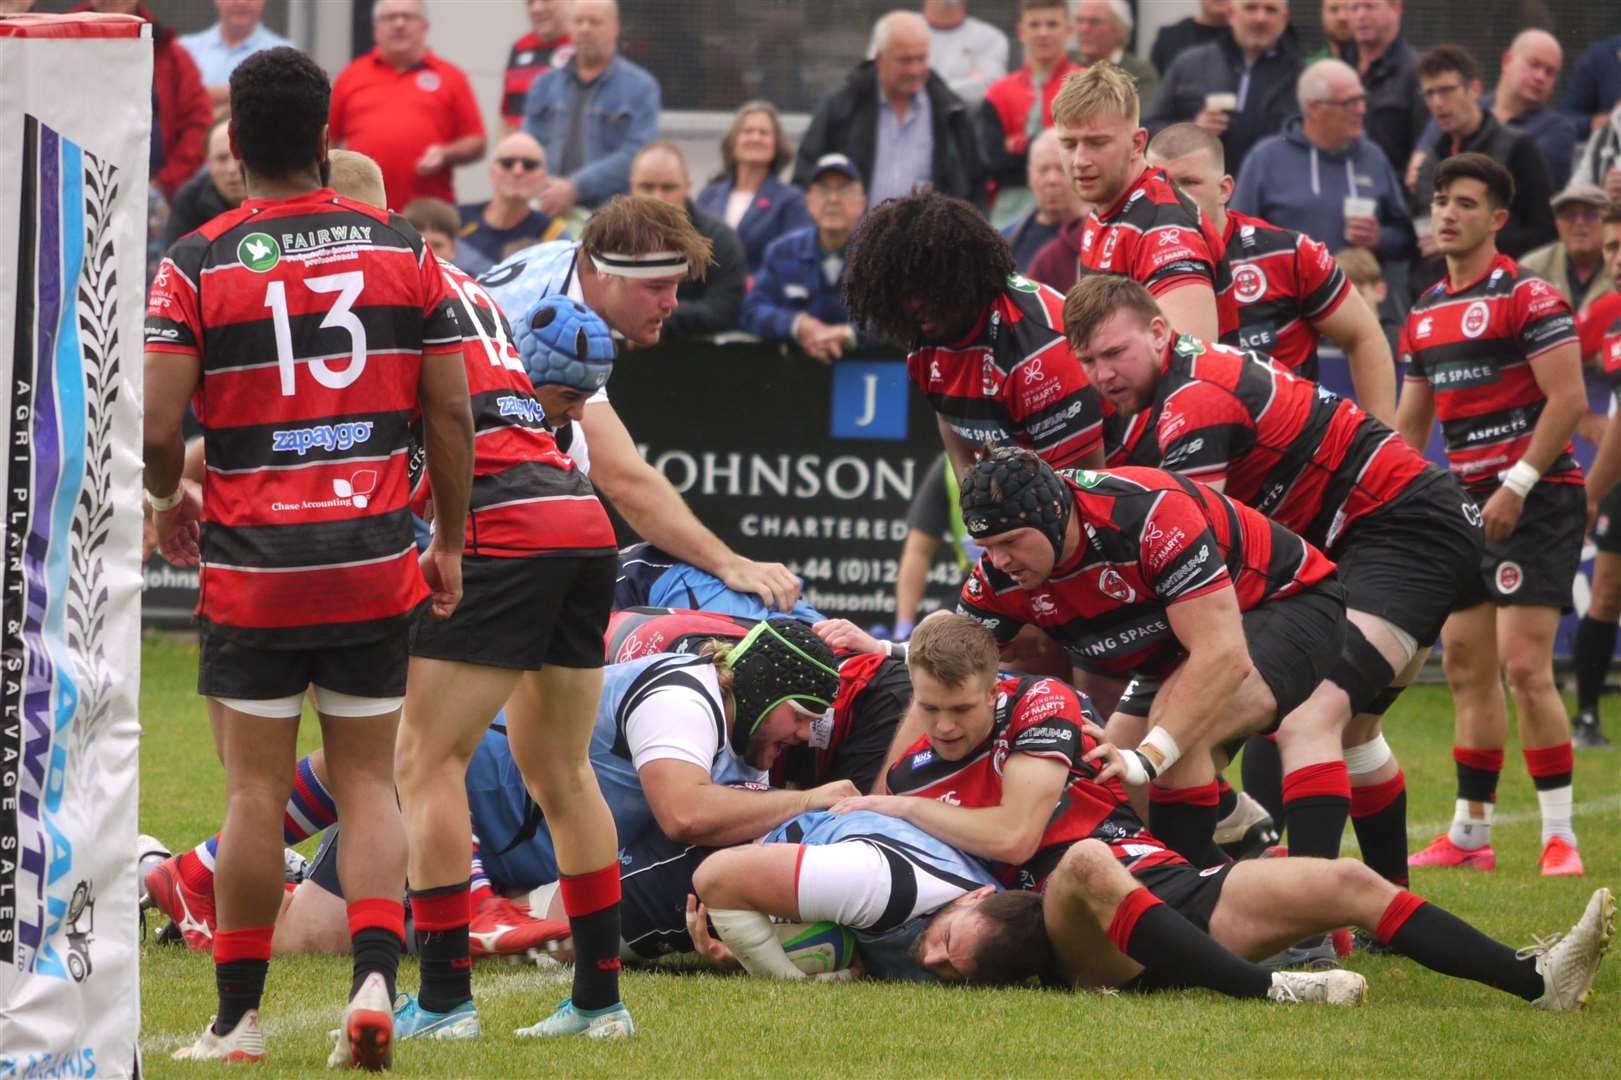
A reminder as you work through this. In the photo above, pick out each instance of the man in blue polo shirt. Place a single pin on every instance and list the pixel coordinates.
(239, 33)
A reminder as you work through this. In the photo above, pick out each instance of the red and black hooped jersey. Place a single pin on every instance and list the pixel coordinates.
(529, 59)
(1013, 380)
(1303, 456)
(310, 317)
(528, 497)
(1156, 235)
(1153, 539)
(1042, 718)
(1474, 346)
(1280, 281)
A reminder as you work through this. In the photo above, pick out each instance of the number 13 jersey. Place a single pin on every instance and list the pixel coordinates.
(310, 317)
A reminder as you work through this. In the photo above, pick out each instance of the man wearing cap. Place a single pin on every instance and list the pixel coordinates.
(1574, 264)
(626, 267)
(1227, 618)
(797, 294)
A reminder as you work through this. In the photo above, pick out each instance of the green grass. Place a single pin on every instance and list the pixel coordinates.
(1415, 1024)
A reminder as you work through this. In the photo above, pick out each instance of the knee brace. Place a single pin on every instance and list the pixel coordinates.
(1361, 671)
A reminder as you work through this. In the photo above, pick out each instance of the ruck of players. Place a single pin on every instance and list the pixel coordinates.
(1126, 760)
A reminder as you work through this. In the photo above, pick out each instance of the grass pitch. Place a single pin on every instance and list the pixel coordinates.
(696, 1024)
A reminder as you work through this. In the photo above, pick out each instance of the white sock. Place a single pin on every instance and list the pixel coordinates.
(1469, 832)
(753, 941)
(1555, 804)
(204, 854)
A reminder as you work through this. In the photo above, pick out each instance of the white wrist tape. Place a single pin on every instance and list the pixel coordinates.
(753, 941)
(1138, 770)
(162, 503)
(1521, 478)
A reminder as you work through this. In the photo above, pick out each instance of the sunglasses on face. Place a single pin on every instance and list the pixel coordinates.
(524, 163)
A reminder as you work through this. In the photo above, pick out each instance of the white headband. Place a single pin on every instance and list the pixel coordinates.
(658, 264)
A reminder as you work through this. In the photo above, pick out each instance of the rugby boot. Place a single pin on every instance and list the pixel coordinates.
(365, 1039)
(1247, 831)
(1336, 987)
(1585, 733)
(1443, 852)
(245, 1042)
(611, 1023)
(412, 1021)
(1560, 859)
(191, 911)
(1569, 962)
(501, 928)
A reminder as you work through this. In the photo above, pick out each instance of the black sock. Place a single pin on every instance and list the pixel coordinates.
(1262, 770)
(241, 983)
(441, 932)
(1595, 648)
(1187, 829)
(1316, 802)
(375, 949)
(1379, 816)
(1164, 942)
(1443, 942)
(591, 902)
(1226, 799)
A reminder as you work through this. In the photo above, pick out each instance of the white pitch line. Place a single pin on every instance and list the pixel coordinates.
(1425, 830)
(299, 1021)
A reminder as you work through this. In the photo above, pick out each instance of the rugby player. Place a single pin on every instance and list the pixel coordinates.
(307, 457)
(1493, 351)
(649, 577)
(1595, 636)
(538, 573)
(985, 344)
(1120, 910)
(1143, 574)
(1141, 225)
(1405, 537)
(1287, 288)
(1009, 769)
(626, 266)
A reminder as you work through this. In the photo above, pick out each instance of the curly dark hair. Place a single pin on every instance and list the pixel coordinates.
(929, 248)
(280, 100)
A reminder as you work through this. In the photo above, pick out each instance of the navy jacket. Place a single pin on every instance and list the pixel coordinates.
(777, 208)
(790, 281)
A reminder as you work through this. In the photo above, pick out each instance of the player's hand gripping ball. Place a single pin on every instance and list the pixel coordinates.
(565, 343)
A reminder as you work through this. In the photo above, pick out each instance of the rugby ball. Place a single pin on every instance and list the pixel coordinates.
(817, 948)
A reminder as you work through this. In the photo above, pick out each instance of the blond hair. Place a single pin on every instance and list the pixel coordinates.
(642, 225)
(1096, 297)
(718, 651)
(1103, 88)
(1361, 266)
(952, 649)
(356, 176)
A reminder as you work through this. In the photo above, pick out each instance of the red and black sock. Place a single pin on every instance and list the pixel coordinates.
(1184, 819)
(241, 962)
(1443, 942)
(1551, 767)
(1262, 770)
(1379, 816)
(591, 902)
(1478, 771)
(441, 916)
(376, 936)
(1159, 938)
(1316, 802)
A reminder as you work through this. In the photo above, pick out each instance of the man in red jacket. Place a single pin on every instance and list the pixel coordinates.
(184, 112)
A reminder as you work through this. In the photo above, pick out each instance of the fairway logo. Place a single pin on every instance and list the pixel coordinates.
(259, 252)
(1509, 577)
(1475, 319)
(1022, 284)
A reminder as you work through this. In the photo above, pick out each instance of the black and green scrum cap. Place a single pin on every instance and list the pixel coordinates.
(779, 660)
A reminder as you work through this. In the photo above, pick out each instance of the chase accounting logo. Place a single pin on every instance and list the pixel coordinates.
(259, 252)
